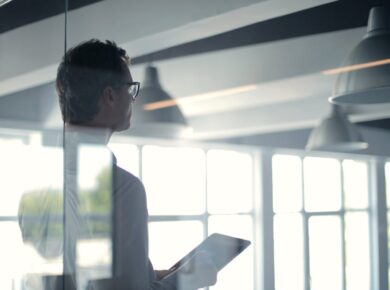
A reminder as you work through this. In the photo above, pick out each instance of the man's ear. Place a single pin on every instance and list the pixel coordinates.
(108, 96)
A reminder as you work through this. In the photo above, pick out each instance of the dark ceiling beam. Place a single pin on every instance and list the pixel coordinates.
(22, 12)
(343, 14)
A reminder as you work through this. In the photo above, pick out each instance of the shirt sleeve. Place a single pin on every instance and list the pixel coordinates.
(131, 253)
(169, 283)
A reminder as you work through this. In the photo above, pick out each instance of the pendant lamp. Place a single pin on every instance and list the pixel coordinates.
(366, 79)
(336, 133)
(165, 121)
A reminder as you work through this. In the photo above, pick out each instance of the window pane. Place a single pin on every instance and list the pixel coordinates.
(239, 273)
(21, 263)
(388, 236)
(127, 156)
(35, 178)
(357, 251)
(93, 259)
(170, 241)
(287, 183)
(95, 188)
(325, 253)
(322, 184)
(229, 182)
(355, 184)
(174, 179)
(288, 249)
(93, 161)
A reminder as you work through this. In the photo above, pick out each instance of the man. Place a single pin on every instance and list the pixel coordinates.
(96, 92)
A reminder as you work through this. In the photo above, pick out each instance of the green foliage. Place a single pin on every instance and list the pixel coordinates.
(98, 200)
(41, 211)
(40, 214)
(32, 202)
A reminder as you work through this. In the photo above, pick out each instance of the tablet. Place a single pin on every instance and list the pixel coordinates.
(221, 248)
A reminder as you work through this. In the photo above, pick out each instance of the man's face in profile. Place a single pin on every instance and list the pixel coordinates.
(122, 112)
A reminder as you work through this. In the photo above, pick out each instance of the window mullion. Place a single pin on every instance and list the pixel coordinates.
(257, 218)
(267, 216)
(343, 239)
(140, 161)
(379, 239)
(206, 196)
(305, 217)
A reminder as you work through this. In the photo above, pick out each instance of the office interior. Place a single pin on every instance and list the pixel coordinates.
(244, 150)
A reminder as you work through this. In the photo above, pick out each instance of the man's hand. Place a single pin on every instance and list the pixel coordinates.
(160, 274)
(198, 272)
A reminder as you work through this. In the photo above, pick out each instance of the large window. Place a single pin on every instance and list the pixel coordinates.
(192, 192)
(321, 223)
(322, 212)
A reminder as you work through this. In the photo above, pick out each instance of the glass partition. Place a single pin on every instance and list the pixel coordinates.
(131, 131)
(31, 156)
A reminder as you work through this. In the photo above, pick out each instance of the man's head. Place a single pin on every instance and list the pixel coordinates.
(93, 84)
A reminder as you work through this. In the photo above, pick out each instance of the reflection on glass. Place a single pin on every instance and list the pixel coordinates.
(92, 162)
(37, 204)
(127, 156)
(322, 184)
(288, 252)
(355, 184)
(287, 183)
(170, 241)
(239, 273)
(229, 182)
(94, 254)
(174, 179)
(93, 259)
(357, 251)
(325, 253)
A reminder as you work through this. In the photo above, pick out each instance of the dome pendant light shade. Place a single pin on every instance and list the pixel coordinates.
(336, 133)
(369, 84)
(166, 122)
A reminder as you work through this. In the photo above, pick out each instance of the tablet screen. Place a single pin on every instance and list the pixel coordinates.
(221, 248)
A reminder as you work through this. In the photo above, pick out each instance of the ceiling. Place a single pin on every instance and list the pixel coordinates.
(273, 51)
(18, 13)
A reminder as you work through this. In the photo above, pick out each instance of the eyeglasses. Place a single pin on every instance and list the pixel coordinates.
(133, 89)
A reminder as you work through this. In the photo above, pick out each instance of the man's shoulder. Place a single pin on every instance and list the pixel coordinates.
(123, 176)
(128, 189)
